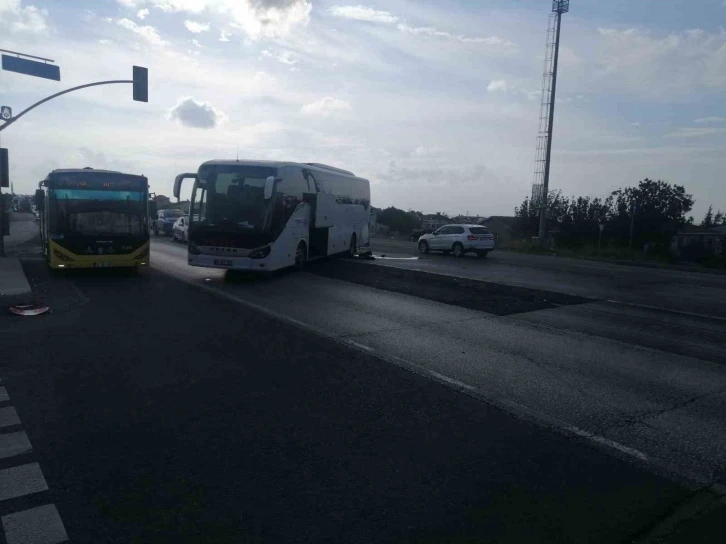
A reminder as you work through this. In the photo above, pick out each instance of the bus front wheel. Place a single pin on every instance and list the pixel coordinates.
(301, 256)
(353, 249)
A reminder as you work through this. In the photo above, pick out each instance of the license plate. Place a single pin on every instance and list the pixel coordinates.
(102, 265)
(223, 262)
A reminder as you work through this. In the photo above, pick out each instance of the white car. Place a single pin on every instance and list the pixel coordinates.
(179, 230)
(459, 240)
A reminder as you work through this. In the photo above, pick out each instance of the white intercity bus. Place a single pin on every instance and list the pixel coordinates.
(265, 215)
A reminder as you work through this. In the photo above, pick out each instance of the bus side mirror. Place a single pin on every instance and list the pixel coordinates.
(39, 200)
(269, 186)
(178, 182)
(153, 208)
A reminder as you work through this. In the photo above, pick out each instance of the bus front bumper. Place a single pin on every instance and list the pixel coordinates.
(62, 258)
(229, 263)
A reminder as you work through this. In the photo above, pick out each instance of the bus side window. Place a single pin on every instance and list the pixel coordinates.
(199, 211)
(313, 185)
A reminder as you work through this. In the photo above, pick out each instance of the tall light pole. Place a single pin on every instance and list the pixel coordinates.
(558, 8)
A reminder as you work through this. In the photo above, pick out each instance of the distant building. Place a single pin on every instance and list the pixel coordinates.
(434, 221)
(692, 242)
(502, 227)
(467, 220)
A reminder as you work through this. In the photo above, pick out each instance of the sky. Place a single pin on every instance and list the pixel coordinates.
(436, 102)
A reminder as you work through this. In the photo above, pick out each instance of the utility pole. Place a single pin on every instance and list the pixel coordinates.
(4, 182)
(540, 187)
(632, 225)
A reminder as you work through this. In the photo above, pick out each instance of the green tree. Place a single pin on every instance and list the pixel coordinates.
(708, 221)
(718, 219)
(660, 209)
(399, 220)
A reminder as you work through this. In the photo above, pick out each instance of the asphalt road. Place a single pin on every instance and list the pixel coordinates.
(185, 406)
(23, 228)
(649, 382)
(674, 290)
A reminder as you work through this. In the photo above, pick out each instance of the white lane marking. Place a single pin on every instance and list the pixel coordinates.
(12, 444)
(618, 446)
(22, 480)
(361, 346)
(8, 416)
(41, 525)
(4, 397)
(656, 308)
(452, 381)
(607, 442)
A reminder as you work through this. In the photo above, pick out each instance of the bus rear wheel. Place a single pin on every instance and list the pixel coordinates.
(301, 256)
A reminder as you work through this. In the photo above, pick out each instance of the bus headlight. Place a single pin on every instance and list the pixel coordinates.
(261, 253)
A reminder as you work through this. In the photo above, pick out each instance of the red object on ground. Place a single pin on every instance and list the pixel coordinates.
(29, 309)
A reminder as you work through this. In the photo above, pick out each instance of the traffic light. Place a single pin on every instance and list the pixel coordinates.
(141, 84)
(4, 168)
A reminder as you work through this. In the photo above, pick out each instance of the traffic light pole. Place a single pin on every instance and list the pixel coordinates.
(51, 97)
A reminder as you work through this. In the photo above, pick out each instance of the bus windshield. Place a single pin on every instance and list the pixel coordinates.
(232, 196)
(97, 212)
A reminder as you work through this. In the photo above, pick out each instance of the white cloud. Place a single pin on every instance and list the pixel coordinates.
(23, 19)
(9, 5)
(148, 33)
(142, 13)
(695, 132)
(498, 85)
(224, 36)
(196, 43)
(422, 151)
(361, 13)
(196, 28)
(256, 18)
(491, 41)
(285, 57)
(194, 114)
(704, 120)
(636, 124)
(105, 42)
(326, 107)
(642, 63)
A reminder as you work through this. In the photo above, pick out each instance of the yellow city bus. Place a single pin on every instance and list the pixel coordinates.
(94, 219)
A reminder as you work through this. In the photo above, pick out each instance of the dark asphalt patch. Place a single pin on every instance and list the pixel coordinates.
(492, 298)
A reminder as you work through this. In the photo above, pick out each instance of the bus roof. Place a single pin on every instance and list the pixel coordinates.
(60, 175)
(62, 171)
(279, 164)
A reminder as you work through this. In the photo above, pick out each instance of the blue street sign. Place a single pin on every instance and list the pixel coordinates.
(31, 67)
(6, 113)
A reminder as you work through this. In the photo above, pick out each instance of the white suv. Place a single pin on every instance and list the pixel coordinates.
(458, 239)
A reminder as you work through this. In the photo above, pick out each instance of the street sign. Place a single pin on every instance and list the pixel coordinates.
(6, 112)
(31, 67)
